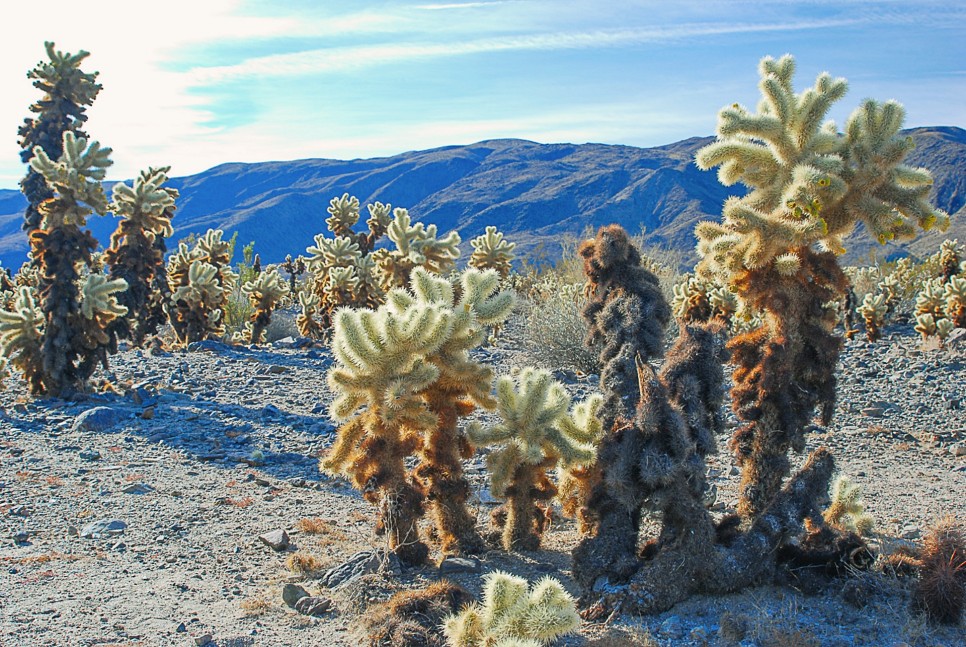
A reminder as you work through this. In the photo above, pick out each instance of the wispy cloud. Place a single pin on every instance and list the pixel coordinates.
(343, 59)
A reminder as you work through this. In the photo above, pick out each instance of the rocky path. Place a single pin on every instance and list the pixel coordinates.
(135, 518)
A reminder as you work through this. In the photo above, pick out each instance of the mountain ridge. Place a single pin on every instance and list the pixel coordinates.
(535, 193)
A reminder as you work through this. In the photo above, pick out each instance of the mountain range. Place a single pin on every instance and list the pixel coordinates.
(537, 194)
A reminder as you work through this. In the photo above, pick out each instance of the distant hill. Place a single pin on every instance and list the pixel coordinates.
(535, 193)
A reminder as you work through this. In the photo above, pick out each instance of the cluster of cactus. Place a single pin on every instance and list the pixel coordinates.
(407, 363)
(941, 305)
(348, 270)
(512, 614)
(137, 249)
(201, 281)
(538, 432)
(846, 509)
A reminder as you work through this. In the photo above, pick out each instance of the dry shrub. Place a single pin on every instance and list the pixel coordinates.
(303, 563)
(415, 618)
(554, 330)
(624, 638)
(255, 606)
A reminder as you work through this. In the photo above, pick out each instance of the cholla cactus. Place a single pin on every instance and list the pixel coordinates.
(68, 91)
(306, 321)
(950, 256)
(202, 281)
(697, 300)
(955, 296)
(71, 348)
(535, 434)
(873, 311)
(263, 293)
(417, 245)
(809, 186)
(293, 267)
(408, 364)
(846, 510)
(136, 254)
(512, 615)
(931, 300)
(344, 214)
(21, 337)
(490, 251)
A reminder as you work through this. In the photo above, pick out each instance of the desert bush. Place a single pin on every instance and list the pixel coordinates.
(554, 331)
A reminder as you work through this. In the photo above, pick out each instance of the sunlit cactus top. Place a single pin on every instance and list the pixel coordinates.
(491, 251)
(809, 184)
(147, 202)
(76, 179)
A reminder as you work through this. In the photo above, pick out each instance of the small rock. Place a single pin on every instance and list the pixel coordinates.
(97, 419)
(313, 606)
(277, 369)
(103, 528)
(292, 593)
(90, 455)
(205, 639)
(210, 345)
(270, 411)
(21, 537)
(148, 414)
(873, 412)
(672, 627)
(180, 629)
(460, 565)
(137, 488)
(959, 449)
(284, 342)
(276, 540)
(19, 511)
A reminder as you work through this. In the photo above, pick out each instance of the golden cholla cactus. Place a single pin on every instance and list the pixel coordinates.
(690, 301)
(201, 280)
(416, 245)
(932, 299)
(382, 366)
(950, 257)
(343, 215)
(943, 328)
(306, 321)
(926, 324)
(955, 296)
(533, 440)
(513, 614)
(575, 481)
(873, 311)
(846, 509)
(809, 186)
(21, 337)
(99, 298)
(136, 254)
(380, 217)
(75, 178)
(490, 251)
(463, 384)
(264, 293)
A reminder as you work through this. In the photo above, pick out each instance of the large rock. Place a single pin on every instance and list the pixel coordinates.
(103, 528)
(360, 564)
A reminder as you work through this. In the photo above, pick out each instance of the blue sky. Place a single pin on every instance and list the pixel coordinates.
(196, 83)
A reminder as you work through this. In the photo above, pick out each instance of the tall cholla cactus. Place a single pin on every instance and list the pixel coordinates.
(202, 280)
(513, 615)
(68, 92)
(21, 338)
(809, 186)
(264, 293)
(407, 364)
(535, 433)
(136, 254)
(491, 252)
(462, 385)
(72, 343)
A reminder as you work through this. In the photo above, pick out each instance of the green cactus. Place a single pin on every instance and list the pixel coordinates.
(21, 337)
(809, 187)
(202, 280)
(264, 293)
(950, 257)
(68, 92)
(535, 435)
(846, 509)
(490, 251)
(136, 254)
(955, 296)
(306, 322)
(416, 245)
(513, 615)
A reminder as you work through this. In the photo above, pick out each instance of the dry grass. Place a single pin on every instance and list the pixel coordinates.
(303, 563)
(238, 503)
(624, 638)
(256, 606)
(44, 558)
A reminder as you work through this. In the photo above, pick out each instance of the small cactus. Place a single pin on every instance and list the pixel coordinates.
(264, 293)
(873, 311)
(21, 337)
(513, 615)
(846, 510)
(534, 438)
(955, 296)
(490, 251)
